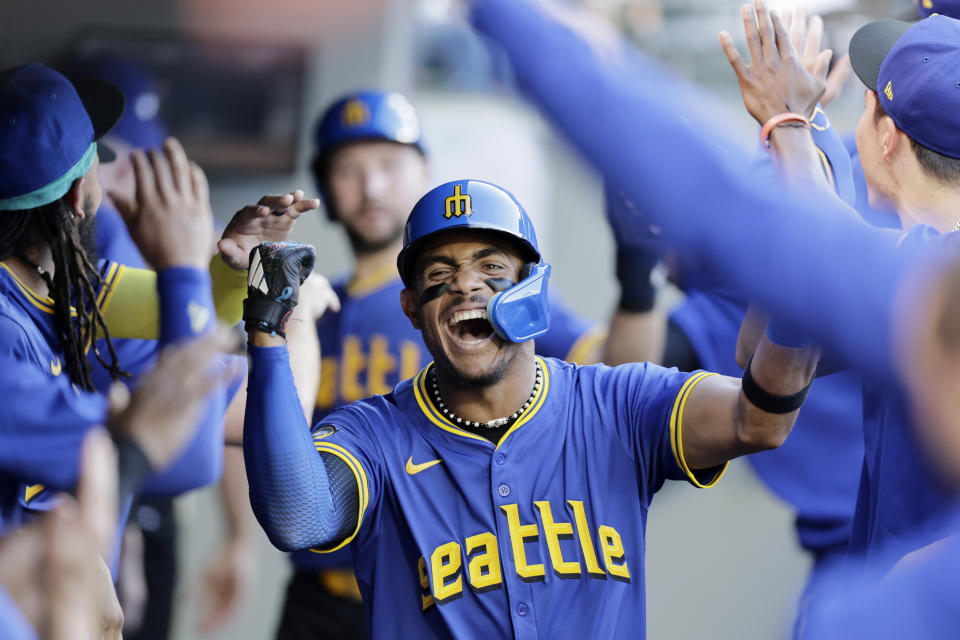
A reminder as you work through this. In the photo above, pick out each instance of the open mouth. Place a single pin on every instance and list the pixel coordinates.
(470, 327)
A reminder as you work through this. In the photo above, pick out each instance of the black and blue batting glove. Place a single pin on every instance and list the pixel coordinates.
(639, 249)
(277, 269)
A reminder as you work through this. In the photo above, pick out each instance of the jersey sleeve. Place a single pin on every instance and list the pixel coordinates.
(648, 402)
(570, 337)
(43, 424)
(298, 502)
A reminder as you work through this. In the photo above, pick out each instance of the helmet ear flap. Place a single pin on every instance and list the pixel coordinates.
(527, 270)
(319, 166)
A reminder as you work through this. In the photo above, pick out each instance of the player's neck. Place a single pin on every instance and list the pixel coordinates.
(371, 264)
(28, 274)
(498, 400)
(928, 202)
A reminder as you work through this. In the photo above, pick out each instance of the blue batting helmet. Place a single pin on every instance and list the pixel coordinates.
(517, 313)
(363, 116)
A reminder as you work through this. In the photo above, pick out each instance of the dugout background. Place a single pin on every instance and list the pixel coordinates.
(721, 563)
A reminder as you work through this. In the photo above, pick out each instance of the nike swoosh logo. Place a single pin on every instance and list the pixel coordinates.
(414, 469)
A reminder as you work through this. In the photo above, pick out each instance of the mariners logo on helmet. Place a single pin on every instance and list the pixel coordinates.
(355, 113)
(458, 204)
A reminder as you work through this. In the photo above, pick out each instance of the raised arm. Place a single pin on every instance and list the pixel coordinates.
(290, 481)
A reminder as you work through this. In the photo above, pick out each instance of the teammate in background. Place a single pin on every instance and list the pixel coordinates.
(459, 487)
(910, 151)
(370, 166)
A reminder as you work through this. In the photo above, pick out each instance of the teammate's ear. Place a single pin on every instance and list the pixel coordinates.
(74, 198)
(408, 300)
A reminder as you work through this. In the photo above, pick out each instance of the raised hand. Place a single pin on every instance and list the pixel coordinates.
(776, 80)
(806, 35)
(169, 218)
(270, 220)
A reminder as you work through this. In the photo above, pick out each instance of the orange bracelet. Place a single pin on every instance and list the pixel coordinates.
(776, 121)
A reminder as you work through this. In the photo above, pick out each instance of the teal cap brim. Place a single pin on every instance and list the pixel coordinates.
(56, 189)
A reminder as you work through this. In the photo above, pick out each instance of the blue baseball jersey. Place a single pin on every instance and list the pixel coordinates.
(899, 499)
(817, 469)
(541, 535)
(370, 346)
(15, 626)
(28, 334)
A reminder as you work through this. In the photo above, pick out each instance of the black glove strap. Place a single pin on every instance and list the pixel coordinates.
(263, 314)
(766, 401)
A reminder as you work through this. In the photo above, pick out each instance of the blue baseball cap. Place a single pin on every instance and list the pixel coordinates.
(49, 133)
(140, 125)
(927, 8)
(915, 70)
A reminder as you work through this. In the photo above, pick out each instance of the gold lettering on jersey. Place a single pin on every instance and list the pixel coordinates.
(327, 390)
(445, 564)
(519, 534)
(426, 598)
(361, 373)
(613, 555)
(355, 114)
(353, 364)
(31, 492)
(484, 568)
(459, 204)
(553, 532)
(586, 540)
(379, 364)
(56, 367)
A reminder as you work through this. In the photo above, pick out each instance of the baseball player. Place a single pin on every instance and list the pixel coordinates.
(913, 161)
(496, 492)
(370, 166)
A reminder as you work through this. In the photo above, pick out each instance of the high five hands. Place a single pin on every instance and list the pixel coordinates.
(777, 80)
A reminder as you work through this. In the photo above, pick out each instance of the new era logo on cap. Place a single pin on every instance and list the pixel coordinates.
(915, 71)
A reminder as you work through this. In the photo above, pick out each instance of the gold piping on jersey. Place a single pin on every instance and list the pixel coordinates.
(676, 431)
(426, 405)
(361, 478)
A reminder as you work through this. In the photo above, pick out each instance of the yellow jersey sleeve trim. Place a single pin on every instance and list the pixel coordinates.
(361, 478)
(229, 287)
(110, 282)
(676, 432)
(587, 345)
(132, 306)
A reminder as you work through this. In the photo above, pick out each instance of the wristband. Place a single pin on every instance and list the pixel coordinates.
(768, 402)
(132, 467)
(186, 303)
(776, 121)
(634, 268)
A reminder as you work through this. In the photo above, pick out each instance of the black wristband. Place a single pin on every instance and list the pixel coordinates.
(132, 467)
(766, 401)
(263, 314)
(634, 267)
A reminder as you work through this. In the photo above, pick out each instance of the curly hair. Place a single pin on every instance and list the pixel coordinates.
(73, 286)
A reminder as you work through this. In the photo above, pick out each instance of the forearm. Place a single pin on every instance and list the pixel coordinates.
(234, 496)
(635, 337)
(304, 349)
(751, 330)
(289, 486)
(796, 159)
(778, 371)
